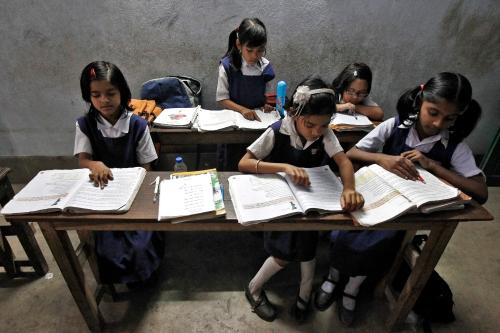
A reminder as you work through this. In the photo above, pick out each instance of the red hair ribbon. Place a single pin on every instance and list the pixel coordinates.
(92, 73)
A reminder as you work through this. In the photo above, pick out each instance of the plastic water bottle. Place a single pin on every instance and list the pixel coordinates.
(280, 98)
(179, 165)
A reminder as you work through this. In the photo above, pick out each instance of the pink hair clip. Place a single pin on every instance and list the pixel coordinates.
(92, 73)
(421, 87)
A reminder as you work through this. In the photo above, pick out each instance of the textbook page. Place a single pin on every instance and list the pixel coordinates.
(349, 119)
(382, 201)
(176, 117)
(186, 196)
(216, 187)
(324, 192)
(259, 198)
(48, 191)
(266, 119)
(209, 120)
(117, 196)
(433, 190)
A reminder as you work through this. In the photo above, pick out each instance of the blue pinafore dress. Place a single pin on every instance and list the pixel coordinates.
(371, 252)
(293, 245)
(248, 91)
(122, 256)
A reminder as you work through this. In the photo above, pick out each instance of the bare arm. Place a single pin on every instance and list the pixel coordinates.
(245, 112)
(398, 165)
(146, 166)
(249, 163)
(474, 186)
(350, 199)
(373, 112)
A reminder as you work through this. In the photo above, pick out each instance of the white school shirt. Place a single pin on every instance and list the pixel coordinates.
(264, 144)
(145, 151)
(222, 92)
(462, 160)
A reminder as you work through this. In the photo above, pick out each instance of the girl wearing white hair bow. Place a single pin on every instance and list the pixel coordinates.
(301, 140)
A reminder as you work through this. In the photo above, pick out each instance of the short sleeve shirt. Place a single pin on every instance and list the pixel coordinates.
(145, 151)
(222, 92)
(263, 146)
(462, 160)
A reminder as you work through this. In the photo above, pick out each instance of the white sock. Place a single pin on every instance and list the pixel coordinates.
(333, 275)
(306, 281)
(352, 288)
(268, 269)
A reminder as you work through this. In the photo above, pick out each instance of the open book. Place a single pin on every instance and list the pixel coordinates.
(263, 197)
(177, 117)
(388, 196)
(71, 191)
(216, 187)
(349, 122)
(189, 198)
(227, 119)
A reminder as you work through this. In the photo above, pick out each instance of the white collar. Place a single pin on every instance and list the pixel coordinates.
(121, 125)
(442, 136)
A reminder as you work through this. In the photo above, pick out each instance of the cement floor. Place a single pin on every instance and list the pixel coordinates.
(202, 280)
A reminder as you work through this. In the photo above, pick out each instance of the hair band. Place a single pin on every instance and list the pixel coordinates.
(303, 95)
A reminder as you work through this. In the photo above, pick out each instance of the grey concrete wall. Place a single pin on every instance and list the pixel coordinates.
(45, 45)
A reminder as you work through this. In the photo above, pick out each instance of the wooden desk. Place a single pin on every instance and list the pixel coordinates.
(143, 214)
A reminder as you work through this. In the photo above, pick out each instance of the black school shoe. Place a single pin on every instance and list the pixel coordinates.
(262, 307)
(346, 316)
(297, 313)
(323, 299)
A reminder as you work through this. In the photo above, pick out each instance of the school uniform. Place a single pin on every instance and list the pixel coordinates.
(281, 143)
(247, 87)
(368, 252)
(122, 256)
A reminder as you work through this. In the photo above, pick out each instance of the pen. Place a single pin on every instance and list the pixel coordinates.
(354, 114)
(420, 178)
(157, 189)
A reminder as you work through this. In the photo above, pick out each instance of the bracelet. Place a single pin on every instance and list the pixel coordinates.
(257, 166)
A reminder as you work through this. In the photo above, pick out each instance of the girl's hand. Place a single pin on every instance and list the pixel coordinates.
(267, 108)
(346, 107)
(351, 200)
(250, 114)
(417, 156)
(100, 174)
(299, 176)
(400, 166)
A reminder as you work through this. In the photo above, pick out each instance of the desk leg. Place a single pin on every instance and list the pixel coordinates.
(72, 271)
(389, 276)
(27, 239)
(431, 253)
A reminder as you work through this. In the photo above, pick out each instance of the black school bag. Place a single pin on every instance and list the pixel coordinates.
(435, 303)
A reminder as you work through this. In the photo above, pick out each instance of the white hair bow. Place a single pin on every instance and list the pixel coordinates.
(303, 95)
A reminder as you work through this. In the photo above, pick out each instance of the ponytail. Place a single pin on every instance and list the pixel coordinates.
(232, 50)
(408, 106)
